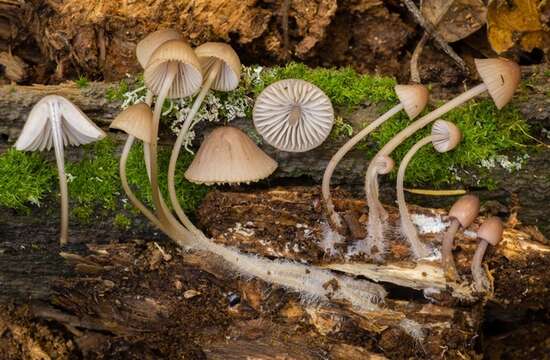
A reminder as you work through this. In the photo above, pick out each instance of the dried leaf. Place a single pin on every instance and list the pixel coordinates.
(455, 19)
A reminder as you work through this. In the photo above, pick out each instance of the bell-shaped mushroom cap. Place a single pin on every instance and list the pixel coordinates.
(465, 210)
(384, 164)
(147, 46)
(77, 128)
(501, 76)
(491, 230)
(446, 136)
(293, 115)
(189, 77)
(413, 98)
(227, 155)
(136, 120)
(230, 72)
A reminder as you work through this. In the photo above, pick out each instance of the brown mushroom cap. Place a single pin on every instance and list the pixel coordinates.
(230, 73)
(501, 76)
(147, 46)
(136, 120)
(384, 164)
(413, 98)
(227, 155)
(491, 230)
(465, 210)
(446, 136)
(189, 77)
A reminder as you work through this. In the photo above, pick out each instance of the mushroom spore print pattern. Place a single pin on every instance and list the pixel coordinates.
(293, 115)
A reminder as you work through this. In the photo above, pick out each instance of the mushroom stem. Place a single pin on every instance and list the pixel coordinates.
(371, 176)
(295, 115)
(179, 141)
(409, 230)
(480, 280)
(334, 218)
(57, 135)
(447, 260)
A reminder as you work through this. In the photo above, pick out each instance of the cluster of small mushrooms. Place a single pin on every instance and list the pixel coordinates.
(291, 115)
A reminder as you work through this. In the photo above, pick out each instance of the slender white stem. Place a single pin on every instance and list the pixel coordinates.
(179, 141)
(480, 279)
(409, 230)
(57, 134)
(334, 217)
(447, 260)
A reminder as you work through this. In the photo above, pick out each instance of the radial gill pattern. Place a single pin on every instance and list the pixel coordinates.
(293, 115)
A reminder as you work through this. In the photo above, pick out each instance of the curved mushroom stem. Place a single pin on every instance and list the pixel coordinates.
(389, 147)
(57, 135)
(447, 259)
(481, 282)
(409, 230)
(179, 141)
(334, 218)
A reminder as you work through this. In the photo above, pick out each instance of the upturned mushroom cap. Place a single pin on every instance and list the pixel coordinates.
(77, 128)
(491, 230)
(413, 98)
(446, 136)
(147, 46)
(501, 76)
(465, 210)
(293, 115)
(189, 77)
(384, 164)
(227, 155)
(230, 73)
(136, 120)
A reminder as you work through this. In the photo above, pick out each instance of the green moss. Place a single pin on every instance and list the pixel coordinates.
(116, 93)
(122, 222)
(25, 178)
(82, 82)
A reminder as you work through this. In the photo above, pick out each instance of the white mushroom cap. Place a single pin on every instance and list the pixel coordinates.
(293, 115)
(446, 136)
(147, 46)
(136, 120)
(501, 76)
(413, 98)
(227, 155)
(383, 164)
(77, 128)
(230, 73)
(189, 77)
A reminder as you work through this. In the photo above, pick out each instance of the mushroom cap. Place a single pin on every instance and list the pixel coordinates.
(501, 76)
(136, 120)
(384, 164)
(293, 115)
(446, 136)
(147, 46)
(465, 210)
(491, 230)
(414, 98)
(188, 78)
(77, 128)
(230, 73)
(228, 156)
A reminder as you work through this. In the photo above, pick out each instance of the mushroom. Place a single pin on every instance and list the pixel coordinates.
(500, 78)
(55, 120)
(489, 233)
(462, 214)
(221, 69)
(227, 155)
(445, 136)
(147, 46)
(412, 99)
(173, 71)
(293, 115)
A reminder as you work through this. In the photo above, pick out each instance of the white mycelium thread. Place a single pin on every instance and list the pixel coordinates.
(429, 224)
(293, 115)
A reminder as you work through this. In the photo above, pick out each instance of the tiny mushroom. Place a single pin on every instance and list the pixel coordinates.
(412, 99)
(445, 136)
(293, 115)
(489, 233)
(55, 120)
(228, 156)
(462, 214)
(500, 79)
(147, 46)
